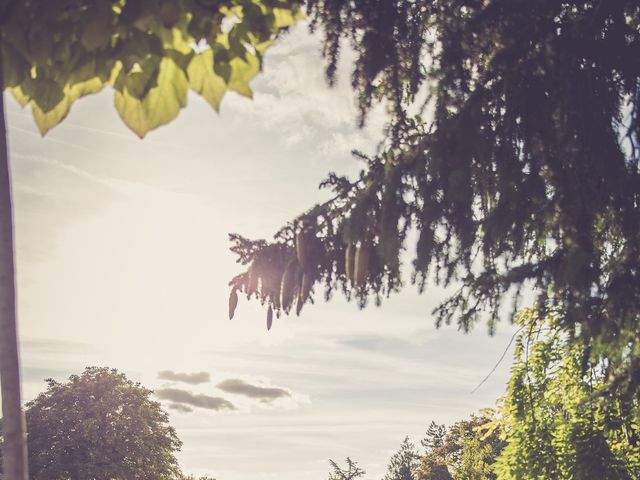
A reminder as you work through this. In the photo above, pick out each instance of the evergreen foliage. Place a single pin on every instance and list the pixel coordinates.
(403, 463)
(350, 472)
(519, 169)
(433, 464)
(434, 437)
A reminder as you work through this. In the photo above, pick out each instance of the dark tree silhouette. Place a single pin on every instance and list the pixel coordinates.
(350, 472)
(512, 152)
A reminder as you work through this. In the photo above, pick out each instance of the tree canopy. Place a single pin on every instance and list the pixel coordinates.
(152, 52)
(511, 153)
(467, 450)
(99, 425)
(558, 416)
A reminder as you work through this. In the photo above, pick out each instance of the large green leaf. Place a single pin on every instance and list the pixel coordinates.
(203, 79)
(242, 72)
(162, 103)
(46, 120)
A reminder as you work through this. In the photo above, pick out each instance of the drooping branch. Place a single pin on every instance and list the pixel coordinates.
(519, 179)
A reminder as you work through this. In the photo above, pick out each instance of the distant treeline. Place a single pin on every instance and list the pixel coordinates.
(558, 420)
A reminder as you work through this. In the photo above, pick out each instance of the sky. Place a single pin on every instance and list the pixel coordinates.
(123, 261)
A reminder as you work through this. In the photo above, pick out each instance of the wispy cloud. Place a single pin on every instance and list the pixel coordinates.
(241, 387)
(194, 378)
(183, 398)
(111, 183)
(179, 407)
(54, 346)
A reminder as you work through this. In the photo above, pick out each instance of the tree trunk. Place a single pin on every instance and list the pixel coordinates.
(14, 453)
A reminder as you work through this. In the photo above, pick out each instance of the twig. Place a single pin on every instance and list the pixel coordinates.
(498, 362)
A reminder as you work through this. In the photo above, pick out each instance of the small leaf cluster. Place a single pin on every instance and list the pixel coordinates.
(151, 52)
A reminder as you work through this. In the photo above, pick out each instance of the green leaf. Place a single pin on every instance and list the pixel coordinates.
(181, 59)
(14, 66)
(46, 120)
(139, 82)
(203, 80)
(222, 68)
(97, 33)
(283, 18)
(139, 79)
(175, 39)
(139, 46)
(85, 70)
(46, 93)
(170, 13)
(262, 47)
(161, 104)
(238, 37)
(242, 72)
(48, 50)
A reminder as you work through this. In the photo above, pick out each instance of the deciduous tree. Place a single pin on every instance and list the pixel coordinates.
(559, 417)
(99, 425)
(467, 450)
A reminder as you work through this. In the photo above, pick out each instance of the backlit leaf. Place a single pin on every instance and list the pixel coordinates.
(49, 49)
(161, 104)
(19, 95)
(242, 72)
(283, 18)
(47, 120)
(203, 80)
